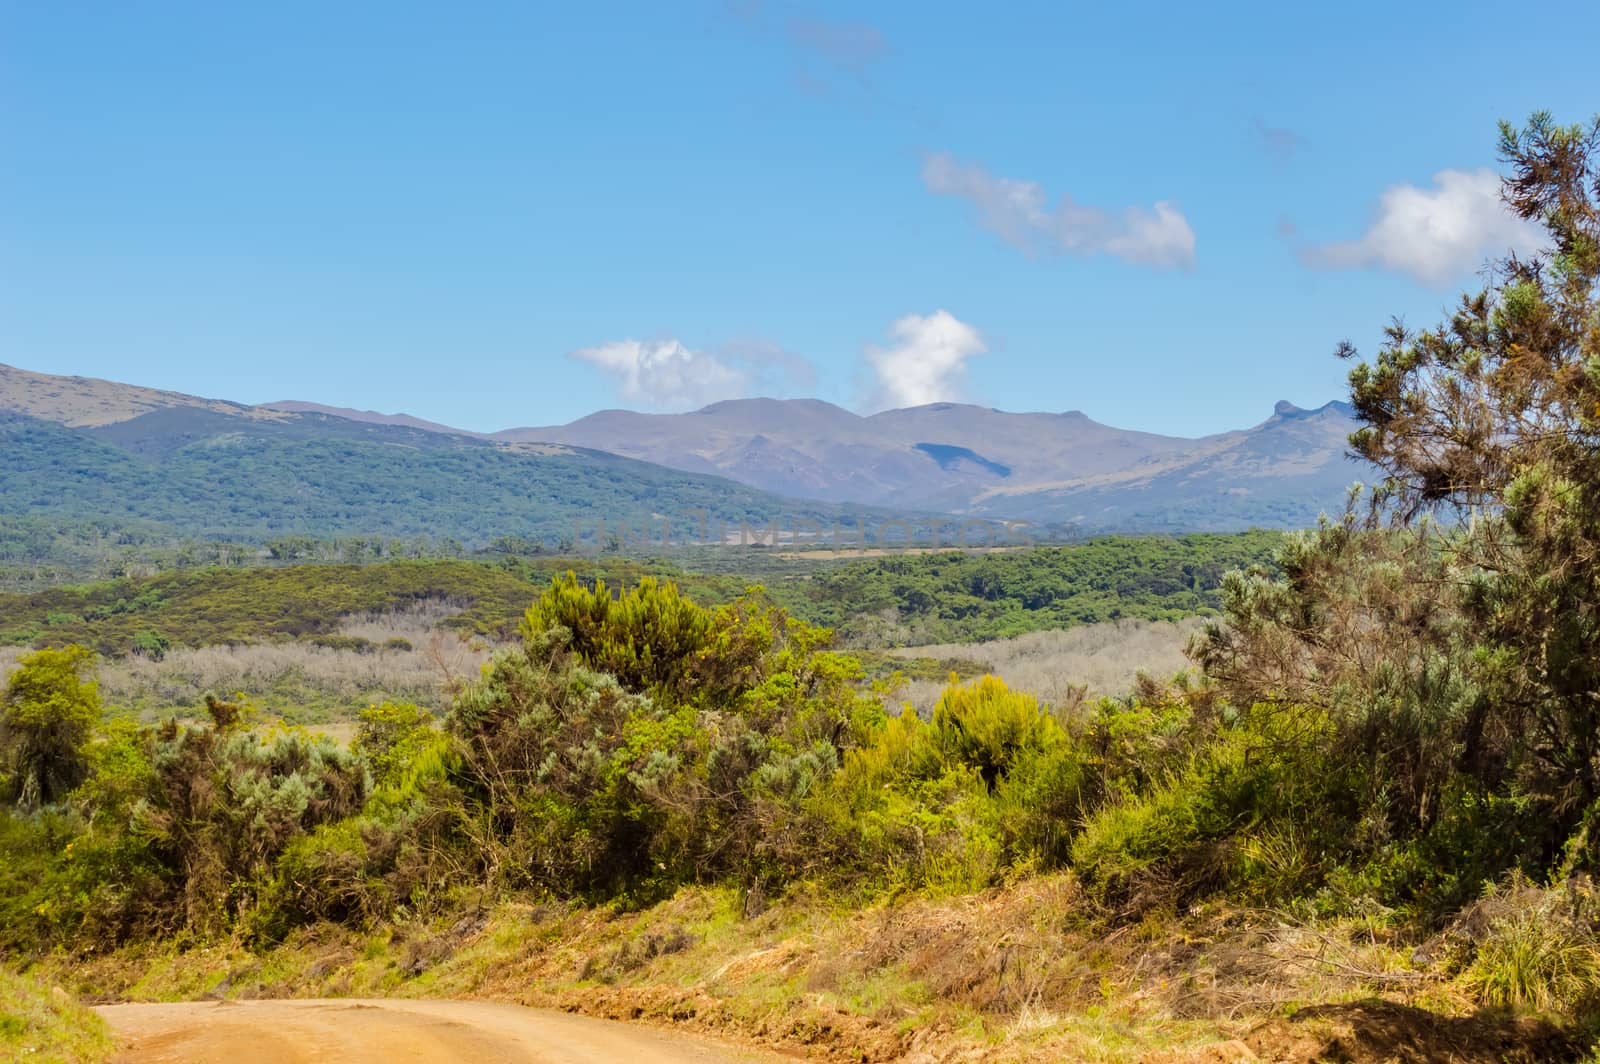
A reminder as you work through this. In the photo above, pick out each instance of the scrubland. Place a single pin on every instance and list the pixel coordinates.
(401, 655)
(652, 810)
(1361, 827)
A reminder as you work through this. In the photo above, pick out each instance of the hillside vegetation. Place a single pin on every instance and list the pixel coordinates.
(190, 474)
(212, 606)
(632, 750)
(1049, 468)
(315, 643)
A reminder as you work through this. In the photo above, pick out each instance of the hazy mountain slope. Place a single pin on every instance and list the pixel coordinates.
(933, 457)
(296, 406)
(1283, 473)
(959, 458)
(800, 447)
(298, 457)
(80, 401)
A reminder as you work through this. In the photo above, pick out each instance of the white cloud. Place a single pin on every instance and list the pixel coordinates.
(666, 375)
(925, 361)
(1436, 234)
(1017, 212)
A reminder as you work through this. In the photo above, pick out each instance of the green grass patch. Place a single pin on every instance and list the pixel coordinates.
(42, 1023)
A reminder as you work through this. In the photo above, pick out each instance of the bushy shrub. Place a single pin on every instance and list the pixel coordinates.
(151, 643)
(325, 875)
(992, 782)
(988, 727)
(391, 736)
(690, 762)
(1258, 805)
(36, 906)
(46, 714)
(178, 828)
(649, 638)
(553, 758)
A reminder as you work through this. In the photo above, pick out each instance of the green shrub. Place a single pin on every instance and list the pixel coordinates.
(151, 643)
(354, 643)
(325, 875)
(36, 906)
(1474, 838)
(649, 637)
(991, 783)
(46, 714)
(391, 736)
(988, 727)
(1164, 827)
(221, 805)
(1259, 806)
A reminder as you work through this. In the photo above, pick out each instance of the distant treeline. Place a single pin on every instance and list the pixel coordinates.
(899, 599)
(960, 597)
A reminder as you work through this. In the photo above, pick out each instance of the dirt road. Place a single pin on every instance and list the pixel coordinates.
(369, 1032)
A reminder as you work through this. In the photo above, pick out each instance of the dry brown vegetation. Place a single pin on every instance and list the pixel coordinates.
(406, 657)
(1061, 668)
(331, 682)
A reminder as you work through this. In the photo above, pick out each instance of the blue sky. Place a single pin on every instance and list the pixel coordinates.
(513, 214)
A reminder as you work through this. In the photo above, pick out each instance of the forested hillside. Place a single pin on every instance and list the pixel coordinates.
(186, 474)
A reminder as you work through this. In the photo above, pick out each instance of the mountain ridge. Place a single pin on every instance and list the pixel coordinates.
(964, 459)
(974, 460)
(402, 419)
(171, 467)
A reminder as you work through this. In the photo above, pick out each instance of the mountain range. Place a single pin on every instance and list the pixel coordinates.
(80, 448)
(957, 458)
(148, 466)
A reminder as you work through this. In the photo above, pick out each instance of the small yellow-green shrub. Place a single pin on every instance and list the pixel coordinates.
(992, 781)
